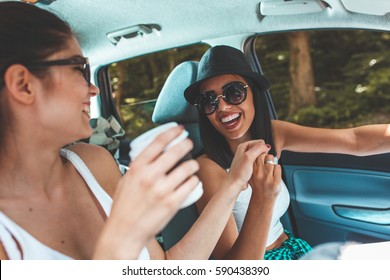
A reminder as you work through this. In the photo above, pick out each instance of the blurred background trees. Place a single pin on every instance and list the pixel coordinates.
(351, 71)
(318, 78)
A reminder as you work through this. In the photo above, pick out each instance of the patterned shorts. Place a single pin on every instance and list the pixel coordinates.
(291, 249)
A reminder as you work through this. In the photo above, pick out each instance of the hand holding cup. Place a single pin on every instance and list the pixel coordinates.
(139, 144)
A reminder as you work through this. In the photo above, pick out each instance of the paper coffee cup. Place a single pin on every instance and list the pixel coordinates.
(143, 141)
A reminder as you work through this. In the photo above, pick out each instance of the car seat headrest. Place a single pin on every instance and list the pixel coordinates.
(171, 104)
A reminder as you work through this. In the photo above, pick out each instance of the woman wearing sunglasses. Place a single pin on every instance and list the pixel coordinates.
(232, 110)
(63, 201)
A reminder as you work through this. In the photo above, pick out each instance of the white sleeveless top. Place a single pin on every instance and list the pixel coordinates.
(280, 207)
(12, 235)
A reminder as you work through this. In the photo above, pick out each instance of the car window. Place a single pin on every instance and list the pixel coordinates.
(137, 82)
(328, 78)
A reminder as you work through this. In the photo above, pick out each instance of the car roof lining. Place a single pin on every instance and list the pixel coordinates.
(196, 25)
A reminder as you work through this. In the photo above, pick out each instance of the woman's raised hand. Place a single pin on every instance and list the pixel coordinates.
(266, 177)
(242, 165)
(151, 192)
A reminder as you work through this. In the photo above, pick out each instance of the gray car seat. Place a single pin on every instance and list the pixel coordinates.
(172, 106)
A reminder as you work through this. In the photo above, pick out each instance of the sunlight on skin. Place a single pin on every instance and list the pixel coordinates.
(387, 133)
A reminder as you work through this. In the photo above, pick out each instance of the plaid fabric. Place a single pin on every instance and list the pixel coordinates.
(291, 249)
(106, 133)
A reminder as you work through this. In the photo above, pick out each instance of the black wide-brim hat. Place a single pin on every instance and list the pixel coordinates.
(221, 60)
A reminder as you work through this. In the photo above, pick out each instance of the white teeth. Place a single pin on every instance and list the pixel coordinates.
(86, 109)
(230, 118)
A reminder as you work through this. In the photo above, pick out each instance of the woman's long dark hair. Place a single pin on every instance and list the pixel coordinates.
(215, 145)
(27, 34)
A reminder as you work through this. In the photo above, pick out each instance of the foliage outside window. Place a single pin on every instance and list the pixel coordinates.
(348, 78)
(137, 82)
(351, 70)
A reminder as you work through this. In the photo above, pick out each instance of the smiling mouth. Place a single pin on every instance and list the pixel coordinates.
(86, 110)
(231, 120)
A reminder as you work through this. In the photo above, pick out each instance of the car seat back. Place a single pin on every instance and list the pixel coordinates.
(171, 106)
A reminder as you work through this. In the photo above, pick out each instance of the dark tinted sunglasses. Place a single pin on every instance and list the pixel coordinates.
(82, 61)
(233, 93)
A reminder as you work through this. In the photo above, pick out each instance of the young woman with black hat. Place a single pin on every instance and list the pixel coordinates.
(232, 110)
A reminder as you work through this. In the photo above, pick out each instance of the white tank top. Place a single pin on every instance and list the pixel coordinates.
(280, 207)
(12, 235)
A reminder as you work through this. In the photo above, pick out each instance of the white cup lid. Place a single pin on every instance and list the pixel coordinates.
(143, 140)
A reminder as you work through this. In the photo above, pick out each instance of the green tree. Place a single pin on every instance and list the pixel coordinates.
(351, 74)
(301, 73)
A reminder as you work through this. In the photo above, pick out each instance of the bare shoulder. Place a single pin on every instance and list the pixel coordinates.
(211, 174)
(207, 165)
(204, 159)
(3, 254)
(101, 163)
(93, 155)
(278, 125)
(280, 130)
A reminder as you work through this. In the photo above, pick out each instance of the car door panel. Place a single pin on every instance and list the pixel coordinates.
(333, 202)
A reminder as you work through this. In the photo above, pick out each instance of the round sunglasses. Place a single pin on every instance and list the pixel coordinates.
(233, 93)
